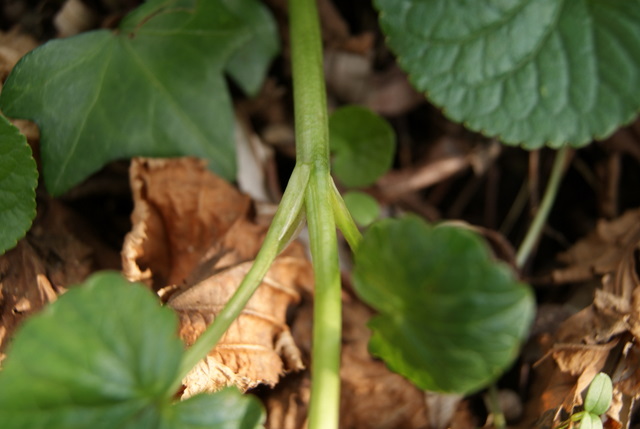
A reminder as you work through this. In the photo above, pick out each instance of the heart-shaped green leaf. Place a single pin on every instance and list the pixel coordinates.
(18, 181)
(154, 88)
(106, 355)
(362, 144)
(531, 72)
(450, 317)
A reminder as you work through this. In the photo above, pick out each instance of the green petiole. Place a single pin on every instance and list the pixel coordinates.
(550, 193)
(285, 224)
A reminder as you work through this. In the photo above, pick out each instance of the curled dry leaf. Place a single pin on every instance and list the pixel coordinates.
(258, 347)
(193, 237)
(604, 335)
(601, 251)
(180, 212)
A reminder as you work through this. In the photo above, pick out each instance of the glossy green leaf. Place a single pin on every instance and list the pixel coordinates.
(450, 318)
(530, 72)
(362, 144)
(363, 207)
(105, 355)
(227, 409)
(18, 181)
(248, 64)
(599, 394)
(155, 87)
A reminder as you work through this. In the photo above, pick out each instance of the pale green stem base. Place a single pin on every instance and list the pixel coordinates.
(327, 320)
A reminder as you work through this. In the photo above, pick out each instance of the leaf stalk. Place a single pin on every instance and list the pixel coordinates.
(540, 218)
(285, 224)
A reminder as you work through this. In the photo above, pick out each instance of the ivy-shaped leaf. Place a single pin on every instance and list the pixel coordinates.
(531, 72)
(106, 355)
(155, 87)
(249, 63)
(18, 181)
(450, 318)
(362, 144)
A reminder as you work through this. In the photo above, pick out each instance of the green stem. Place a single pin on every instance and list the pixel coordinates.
(312, 145)
(285, 223)
(327, 323)
(542, 214)
(309, 97)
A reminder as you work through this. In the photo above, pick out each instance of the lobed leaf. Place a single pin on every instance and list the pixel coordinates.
(18, 181)
(362, 144)
(551, 72)
(450, 318)
(106, 355)
(153, 88)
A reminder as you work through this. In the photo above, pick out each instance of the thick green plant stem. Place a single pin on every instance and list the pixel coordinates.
(285, 224)
(309, 97)
(327, 321)
(312, 145)
(542, 214)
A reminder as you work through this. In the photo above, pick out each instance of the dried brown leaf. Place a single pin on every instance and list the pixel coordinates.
(603, 335)
(258, 347)
(602, 250)
(180, 211)
(193, 239)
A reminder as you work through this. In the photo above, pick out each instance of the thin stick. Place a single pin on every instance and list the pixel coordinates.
(550, 193)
